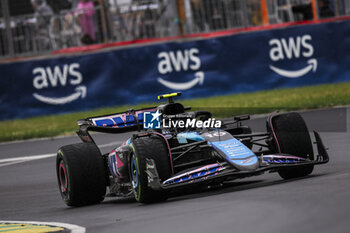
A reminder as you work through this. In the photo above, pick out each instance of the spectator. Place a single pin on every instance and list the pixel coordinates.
(216, 14)
(43, 13)
(42, 23)
(255, 12)
(85, 12)
(70, 31)
(199, 15)
(148, 24)
(135, 22)
(235, 17)
(167, 19)
(119, 25)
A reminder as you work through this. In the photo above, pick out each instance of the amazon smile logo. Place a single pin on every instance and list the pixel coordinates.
(180, 61)
(292, 48)
(59, 76)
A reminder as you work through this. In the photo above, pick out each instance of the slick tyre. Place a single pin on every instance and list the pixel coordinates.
(81, 174)
(144, 148)
(291, 136)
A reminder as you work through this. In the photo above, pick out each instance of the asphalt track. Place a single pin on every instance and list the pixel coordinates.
(319, 203)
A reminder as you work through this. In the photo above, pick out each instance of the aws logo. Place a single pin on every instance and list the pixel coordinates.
(177, 61)
(59, 76)
(293, 48)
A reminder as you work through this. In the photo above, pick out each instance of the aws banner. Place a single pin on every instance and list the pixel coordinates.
(261, 60)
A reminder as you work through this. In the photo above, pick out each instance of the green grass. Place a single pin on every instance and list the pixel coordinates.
(222, 106)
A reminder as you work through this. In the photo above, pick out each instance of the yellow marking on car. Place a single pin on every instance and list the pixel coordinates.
(169, 95)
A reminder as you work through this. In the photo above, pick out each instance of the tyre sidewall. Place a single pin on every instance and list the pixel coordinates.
(86, 174)
(152, 147)
(291, 136)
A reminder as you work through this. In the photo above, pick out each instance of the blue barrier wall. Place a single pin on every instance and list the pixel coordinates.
(261, 60)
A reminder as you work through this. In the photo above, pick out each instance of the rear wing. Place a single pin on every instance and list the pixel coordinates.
(130, 120)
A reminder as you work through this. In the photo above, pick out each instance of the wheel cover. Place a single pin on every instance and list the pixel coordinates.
(63, 178)
(134, 172)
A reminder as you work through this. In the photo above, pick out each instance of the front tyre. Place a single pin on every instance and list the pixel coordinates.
(148, 148)
(291, 136)
(81, 174)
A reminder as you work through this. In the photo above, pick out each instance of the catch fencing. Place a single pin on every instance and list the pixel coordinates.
(21, 34)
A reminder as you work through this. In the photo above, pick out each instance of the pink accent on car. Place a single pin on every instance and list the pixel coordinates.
(64, 188)
(170, 156)
(274, 134)
(198, 170)
(284, 157)
(119, 162)
(248, 160)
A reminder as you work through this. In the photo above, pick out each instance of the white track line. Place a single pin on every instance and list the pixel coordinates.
(27, 158)
(10, 163)
(71, 227)
(15, 160)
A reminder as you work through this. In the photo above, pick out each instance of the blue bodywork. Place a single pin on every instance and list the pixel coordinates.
(237, 154)
(232, 150)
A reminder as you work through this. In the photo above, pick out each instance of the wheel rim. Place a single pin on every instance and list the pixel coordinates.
(134, 172)
(62, 174)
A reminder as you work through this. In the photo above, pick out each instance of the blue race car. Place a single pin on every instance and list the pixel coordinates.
(182, 150)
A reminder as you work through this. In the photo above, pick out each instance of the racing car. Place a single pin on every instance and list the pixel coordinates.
(158, 160)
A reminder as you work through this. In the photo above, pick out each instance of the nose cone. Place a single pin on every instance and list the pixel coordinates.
(247, 164)
(237, 154)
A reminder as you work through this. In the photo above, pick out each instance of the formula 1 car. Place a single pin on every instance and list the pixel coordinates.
(156, 162)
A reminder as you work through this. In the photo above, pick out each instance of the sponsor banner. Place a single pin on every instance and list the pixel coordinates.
(261, 60)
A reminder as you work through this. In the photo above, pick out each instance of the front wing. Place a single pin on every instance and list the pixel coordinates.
(223, 171)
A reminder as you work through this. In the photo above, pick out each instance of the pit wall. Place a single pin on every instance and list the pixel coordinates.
(252, 61)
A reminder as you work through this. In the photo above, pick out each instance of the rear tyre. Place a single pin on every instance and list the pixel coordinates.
(81, 174)
(151, 148)
(292, 137)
